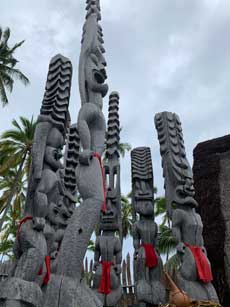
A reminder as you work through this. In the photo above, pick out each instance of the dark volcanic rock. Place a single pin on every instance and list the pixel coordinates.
(212, 184)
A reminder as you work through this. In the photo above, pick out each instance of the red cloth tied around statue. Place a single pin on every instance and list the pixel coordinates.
(97, 155)
(47, 258)
(151, 255)
(24, 220)
(48, 271)
(204, 271)
(105, 283)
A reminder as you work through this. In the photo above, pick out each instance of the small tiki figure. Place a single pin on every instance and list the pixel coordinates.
(107, 258)
(148, 264)
(195, 274)
(108, 248)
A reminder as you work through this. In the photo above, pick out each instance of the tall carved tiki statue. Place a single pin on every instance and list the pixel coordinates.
(108, 250)
(195, 274)
(92, 76)
(148, 264)
(67, 284)
(36, 232)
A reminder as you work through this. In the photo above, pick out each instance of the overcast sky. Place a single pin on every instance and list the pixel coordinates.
(162, 55)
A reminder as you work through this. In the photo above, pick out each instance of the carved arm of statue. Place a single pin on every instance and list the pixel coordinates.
(91, 128)
(136, 240)
(118, 257)
(177, 219)
(41, 202)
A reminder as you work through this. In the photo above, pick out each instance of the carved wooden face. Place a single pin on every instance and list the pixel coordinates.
(53, 151)
(53, 214)
(95, 75)
(109, 219)
(143, 197)
(182, 193)
(66, 209)
(59, 214)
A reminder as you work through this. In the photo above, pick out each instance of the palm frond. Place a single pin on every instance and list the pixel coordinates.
(6, 36)
(160, 205)
(126, 216)
(172, 265)
(16, 73)
(166, 241)
(7, 81)
(8, 69)
(15, 136)
(123, 147)
(91, 246)
(16, 46)
(16, 125)
(12, 161)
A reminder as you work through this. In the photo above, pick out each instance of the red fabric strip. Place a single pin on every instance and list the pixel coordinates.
(96, 155)
(151, 255)
(47, 258)
(40, 271)
(25, 219)
(48, 272)
(204, 271)
(105, 283)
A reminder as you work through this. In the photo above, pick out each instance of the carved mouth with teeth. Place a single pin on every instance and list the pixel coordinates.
(62, 213)
(56, 211)
(108, 217)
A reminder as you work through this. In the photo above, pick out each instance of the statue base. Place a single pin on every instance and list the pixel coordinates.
(150, 293)
(15, 292)
(197, 290)
(64, 291)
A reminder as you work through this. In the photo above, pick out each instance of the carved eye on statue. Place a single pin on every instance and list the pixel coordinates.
(137, 185)
(99, 77)
(114, 180)
(55, 154)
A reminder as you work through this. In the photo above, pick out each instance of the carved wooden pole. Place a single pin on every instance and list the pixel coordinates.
(195, 274)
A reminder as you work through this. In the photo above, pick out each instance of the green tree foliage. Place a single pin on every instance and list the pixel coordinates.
(123, 148)
(8, 70)
(15, 159)
(126, 215)
(166, 242)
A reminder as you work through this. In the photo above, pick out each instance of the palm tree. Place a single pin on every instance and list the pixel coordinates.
(166, 242)
(8, 62)
(15, 155)
(123, 148)
(15, 211)
(126, 215)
